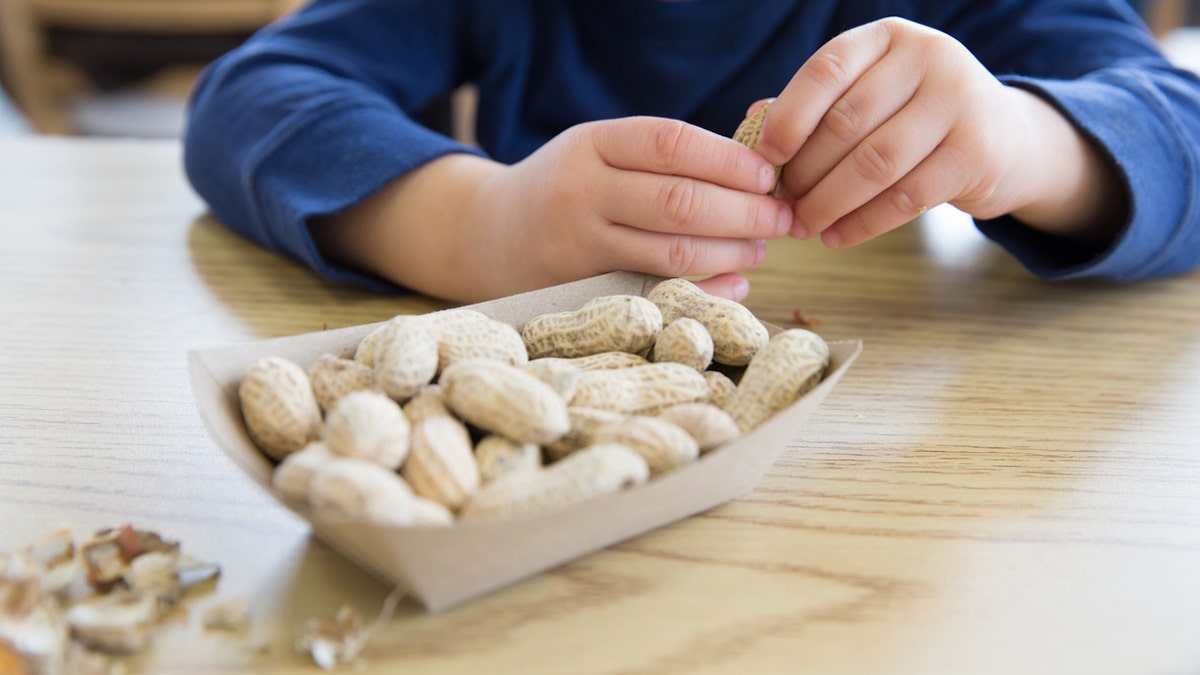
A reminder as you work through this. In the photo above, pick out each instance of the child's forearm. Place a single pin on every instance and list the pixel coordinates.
(1074, 191)
(412, 231)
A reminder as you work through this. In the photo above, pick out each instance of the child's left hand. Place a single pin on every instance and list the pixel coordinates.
(892, 118)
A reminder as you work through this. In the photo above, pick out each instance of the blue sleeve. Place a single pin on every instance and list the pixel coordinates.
(317, 112)
(1096, 63)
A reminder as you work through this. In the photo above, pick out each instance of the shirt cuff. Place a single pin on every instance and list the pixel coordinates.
(329, 161)
(1123, 115)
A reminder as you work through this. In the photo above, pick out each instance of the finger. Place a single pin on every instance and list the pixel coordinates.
(671, 147)
(875, 98)
(877, 163)
(932, 183)
(757, 104)
(824, 78)
(675, 205)
(731, 286)
(672, 255)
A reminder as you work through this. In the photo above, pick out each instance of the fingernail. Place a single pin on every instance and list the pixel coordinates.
(760, 250)
(831, 238)
(784, 223)
(741, 288)
(766, 179)
(798, 231)
(771, 155)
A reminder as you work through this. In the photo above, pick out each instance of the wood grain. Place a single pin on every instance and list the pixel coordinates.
(1008, 479)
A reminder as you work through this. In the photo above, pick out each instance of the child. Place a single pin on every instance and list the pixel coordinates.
(604, 129)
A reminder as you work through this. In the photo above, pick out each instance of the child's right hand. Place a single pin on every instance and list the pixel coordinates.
(643, 194)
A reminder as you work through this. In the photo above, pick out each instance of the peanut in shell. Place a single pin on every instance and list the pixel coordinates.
(278, 405)
(587, 474)
(333, 377)
(640, 389)
(368, 425)
(441, 466)
(711, 426)
(749, 132)
(736, 333)
(623, 323)
(684, 340)
(505, 400)
(791, 364)
(662, 444)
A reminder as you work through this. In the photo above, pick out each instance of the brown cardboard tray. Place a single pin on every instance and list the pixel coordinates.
(445, 566)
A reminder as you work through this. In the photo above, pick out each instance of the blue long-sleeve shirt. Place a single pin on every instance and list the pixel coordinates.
(318, 111)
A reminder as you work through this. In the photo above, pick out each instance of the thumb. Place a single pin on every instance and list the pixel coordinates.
(730, 285)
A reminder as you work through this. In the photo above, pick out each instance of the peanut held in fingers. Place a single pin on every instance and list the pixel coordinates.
(750, 128)
(749, 132)
(792, 363)
(279, 407)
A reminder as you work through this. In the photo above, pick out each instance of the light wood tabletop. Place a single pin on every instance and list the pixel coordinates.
(1006, 481)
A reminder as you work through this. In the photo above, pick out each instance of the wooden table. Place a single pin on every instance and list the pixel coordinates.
(1007, 481)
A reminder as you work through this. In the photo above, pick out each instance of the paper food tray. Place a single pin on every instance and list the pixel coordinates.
(444, 566)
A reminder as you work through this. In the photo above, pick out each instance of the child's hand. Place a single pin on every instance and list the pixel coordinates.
(643, 194)
(892, 118)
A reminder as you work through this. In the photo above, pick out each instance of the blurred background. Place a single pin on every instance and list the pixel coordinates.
(115, 67)
(124, 67)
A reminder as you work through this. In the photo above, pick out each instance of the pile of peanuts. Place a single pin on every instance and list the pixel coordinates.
(455, 416)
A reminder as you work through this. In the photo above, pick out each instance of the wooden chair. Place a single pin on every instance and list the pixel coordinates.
(12, 122)
(1164, 16)
(41, 84)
